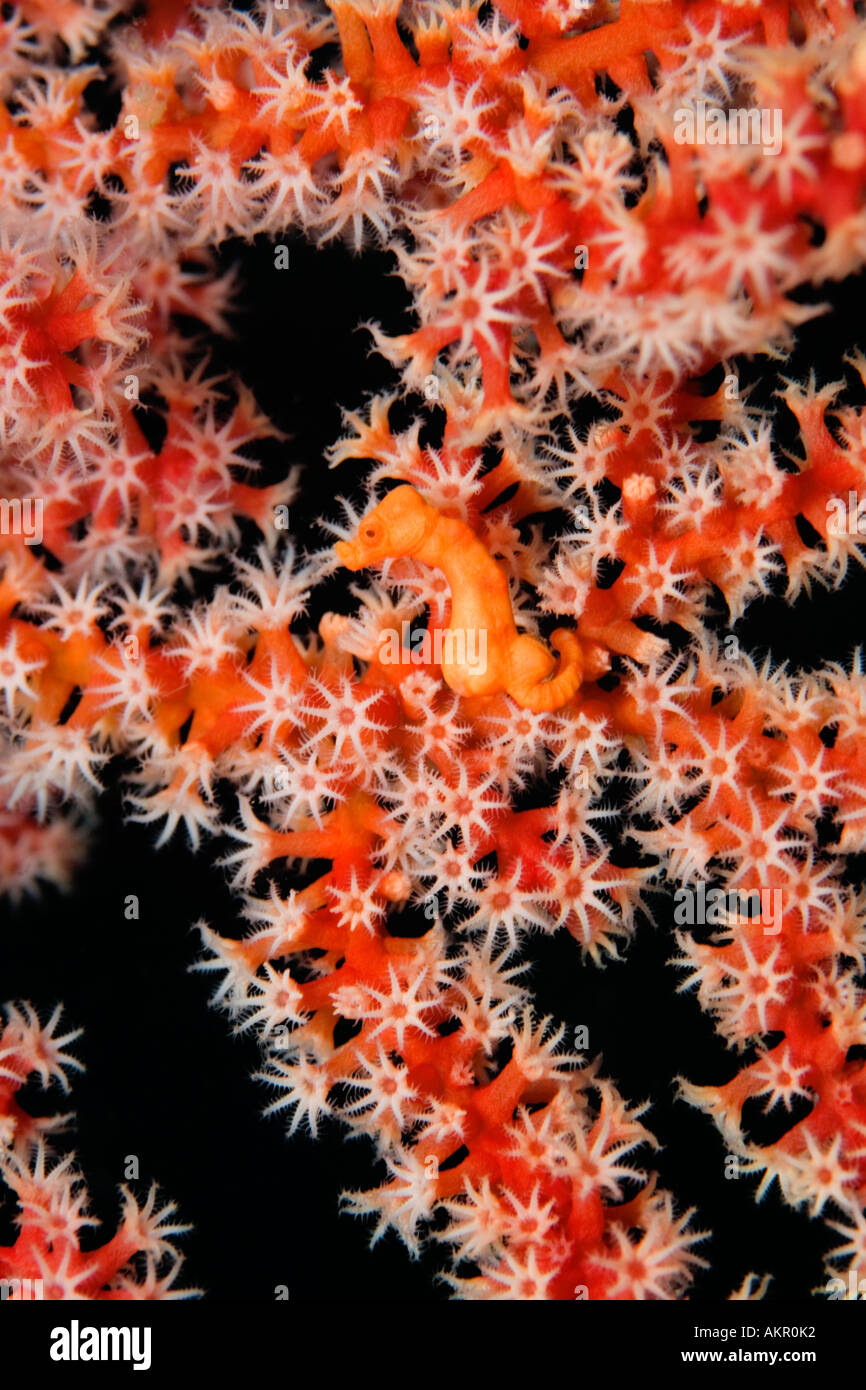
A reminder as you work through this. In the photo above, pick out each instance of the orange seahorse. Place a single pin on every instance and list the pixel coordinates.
(403, 524)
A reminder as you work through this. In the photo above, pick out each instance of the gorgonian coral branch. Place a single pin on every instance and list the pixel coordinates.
(579, 259)
(46, 1260)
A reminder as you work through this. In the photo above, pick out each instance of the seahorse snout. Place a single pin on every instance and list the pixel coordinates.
(347, 554)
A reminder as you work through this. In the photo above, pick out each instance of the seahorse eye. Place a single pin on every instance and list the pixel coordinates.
(370, 533)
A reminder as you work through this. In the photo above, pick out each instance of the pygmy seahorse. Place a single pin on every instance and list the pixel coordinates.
(403, 524)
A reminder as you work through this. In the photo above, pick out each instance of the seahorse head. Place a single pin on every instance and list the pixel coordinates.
(397, 526)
